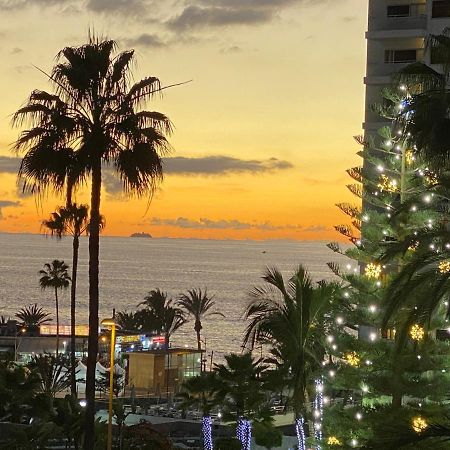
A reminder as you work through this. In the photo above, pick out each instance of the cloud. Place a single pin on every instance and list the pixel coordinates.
(221, 165)
(128, 7)
(20, 4)
(316, 228)
(9, 164)
(197, 17)
(234, 224)
(231, 49)
(146, 40)
(220, 13)
(7, 204)
(16, 50)
(183, 222)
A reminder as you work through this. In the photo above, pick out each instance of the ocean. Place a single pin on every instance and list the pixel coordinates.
(131, 267)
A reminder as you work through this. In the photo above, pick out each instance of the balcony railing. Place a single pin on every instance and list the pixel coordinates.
(382, 68)
(415, 19)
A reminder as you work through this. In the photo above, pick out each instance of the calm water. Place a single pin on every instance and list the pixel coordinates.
(130, 267)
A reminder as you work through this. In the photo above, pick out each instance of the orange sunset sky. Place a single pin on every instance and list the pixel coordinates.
(263, 133)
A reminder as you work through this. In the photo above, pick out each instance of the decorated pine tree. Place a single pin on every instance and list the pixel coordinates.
(384, 355)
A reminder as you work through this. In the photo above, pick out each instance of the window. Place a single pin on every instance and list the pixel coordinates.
(399, 11)
(400, 56)
(441, 8)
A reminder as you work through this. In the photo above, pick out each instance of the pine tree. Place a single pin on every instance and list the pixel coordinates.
(384, 352)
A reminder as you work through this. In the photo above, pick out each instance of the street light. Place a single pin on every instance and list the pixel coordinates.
(110, 323)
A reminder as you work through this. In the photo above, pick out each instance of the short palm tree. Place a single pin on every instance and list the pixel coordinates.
(93, 117)
(53, 373)
(197, 304)
(242, 388)
(166, 317)
(32, 317)
(55, 276)
(289, 317)
(70, 220)
(203, 392)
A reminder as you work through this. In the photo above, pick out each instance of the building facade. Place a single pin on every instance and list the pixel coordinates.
(397, 30)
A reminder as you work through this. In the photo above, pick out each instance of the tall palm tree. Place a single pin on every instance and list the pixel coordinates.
(160, 311)
(55, 275)
(70, 220)
(93, 117)
(197, 304)
(290, 318)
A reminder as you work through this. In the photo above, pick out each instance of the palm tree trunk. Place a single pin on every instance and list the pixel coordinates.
(94, 243)
(197, 328)
(207, 433)
(300, 430)
(73, 291)
(57, 321)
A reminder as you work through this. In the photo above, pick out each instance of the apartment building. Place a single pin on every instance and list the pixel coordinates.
(395, 38)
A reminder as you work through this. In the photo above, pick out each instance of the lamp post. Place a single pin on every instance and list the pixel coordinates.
(110, 323)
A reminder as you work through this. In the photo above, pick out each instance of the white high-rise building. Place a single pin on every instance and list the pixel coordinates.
(395, 38)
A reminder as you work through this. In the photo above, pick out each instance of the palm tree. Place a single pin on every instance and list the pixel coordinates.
(197, 304)
(290, 318)
(242, 388)
(71, 220)
(161, 313)
(202, 392)
(55, 276)
(128, 321)
(32, 317)
(53, 374)
(424, 116)
(92, 118)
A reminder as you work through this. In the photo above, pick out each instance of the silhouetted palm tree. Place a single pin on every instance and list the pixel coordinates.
(424, 115)
(242, 388)
(202, 392)
(197, 304)
(71, 220)
(289, 317)
(92, 118)
(32, 317)
(55, 276)
(128, 321)
(160, 311)
(53, 372)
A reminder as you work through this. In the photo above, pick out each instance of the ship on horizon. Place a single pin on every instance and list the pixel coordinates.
(141, 235)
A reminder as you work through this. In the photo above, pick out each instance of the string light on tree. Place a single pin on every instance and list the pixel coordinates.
(387, 185)
(419, 424)
(333, 440)
(353, 359)
(416, 332)
(373, 271)
(444, 267)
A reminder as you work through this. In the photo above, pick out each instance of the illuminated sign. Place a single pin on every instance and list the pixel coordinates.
(129, 339)
(64, 330)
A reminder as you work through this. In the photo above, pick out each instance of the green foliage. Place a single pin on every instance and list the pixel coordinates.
(31, 317)
(266, 435)
(227, 444)
(102, 383)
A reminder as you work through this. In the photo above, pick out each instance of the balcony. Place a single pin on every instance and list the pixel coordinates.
(410, 17)
(386, 69)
